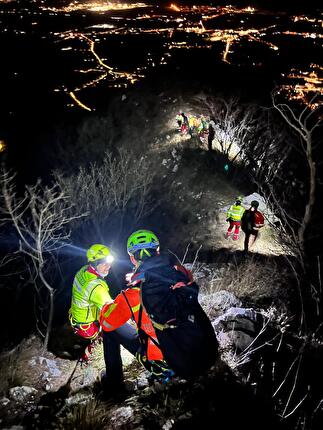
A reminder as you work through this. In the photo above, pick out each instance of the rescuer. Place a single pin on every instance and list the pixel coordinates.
(182, 122)
(90, 293)
(127, 305)
(162, 299)
(234, 216)
(251, 222)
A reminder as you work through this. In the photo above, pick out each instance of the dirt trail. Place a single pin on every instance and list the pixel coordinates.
(201, 194)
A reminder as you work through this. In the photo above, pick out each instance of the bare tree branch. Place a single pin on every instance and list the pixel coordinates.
(300, 125)
(40, 219)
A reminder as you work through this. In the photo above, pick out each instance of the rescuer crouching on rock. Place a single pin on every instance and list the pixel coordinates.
(90, 292)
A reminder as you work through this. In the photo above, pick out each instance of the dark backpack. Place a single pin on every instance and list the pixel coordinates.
(184, 332)
(247, 221)
(168, 296)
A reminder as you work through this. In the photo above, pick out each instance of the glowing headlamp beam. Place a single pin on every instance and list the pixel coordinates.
(109, 259)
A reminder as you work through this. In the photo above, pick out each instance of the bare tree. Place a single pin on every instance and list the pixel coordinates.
(304, 124)
(40, 220)
(235, 123)
(108, 189)
(288, 178)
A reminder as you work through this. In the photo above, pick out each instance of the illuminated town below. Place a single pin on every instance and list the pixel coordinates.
(88, 32)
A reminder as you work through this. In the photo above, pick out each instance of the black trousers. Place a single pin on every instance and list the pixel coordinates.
(250, 234)
(127, 336)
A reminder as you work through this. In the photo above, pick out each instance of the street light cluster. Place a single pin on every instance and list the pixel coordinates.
(94, 6)
(306, 84)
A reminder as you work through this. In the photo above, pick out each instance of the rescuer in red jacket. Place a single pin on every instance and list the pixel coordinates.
(126, 306)
(251, 222)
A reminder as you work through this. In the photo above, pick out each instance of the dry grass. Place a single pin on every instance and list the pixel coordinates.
(91, 415)
(251, 281)
(8, 372)
(13, 364)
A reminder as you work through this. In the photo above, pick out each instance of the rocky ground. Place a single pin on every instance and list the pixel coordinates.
(36, 395)
(40, 398)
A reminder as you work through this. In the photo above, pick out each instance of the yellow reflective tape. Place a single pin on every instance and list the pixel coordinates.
(78, 286)
(162, 327)
(159, 326)
(111, 308)
(135, 308)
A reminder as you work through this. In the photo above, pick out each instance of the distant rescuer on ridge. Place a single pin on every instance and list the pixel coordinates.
(89, 293)
(251, 222)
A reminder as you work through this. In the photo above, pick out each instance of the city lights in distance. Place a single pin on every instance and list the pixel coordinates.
(107, 47)
(95, 6)
(3, 145)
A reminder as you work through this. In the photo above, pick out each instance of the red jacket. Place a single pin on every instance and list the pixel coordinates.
(115, 314)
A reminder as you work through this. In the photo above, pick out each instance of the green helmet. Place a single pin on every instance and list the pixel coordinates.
(254, 204)
(142, 239)
(99, 252)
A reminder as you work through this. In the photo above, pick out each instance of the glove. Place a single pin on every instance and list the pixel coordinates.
(128, 277)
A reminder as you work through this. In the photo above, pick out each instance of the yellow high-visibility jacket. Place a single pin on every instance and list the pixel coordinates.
(235, 212)
(89, 294)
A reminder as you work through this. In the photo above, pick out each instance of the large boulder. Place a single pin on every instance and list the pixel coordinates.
(217, 303)
(237, 328)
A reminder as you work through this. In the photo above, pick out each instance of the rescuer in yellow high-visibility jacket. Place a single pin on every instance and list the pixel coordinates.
(90, 293)
(234, 216)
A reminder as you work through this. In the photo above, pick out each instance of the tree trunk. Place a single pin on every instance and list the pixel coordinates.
(51, 309)
(311, 198)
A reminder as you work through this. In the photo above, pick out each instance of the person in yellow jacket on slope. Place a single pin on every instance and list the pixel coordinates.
(234, 216)
(90, 292)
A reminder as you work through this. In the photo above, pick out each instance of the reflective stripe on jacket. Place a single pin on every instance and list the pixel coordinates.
(89, 294)
(115, 314)
(235, 212)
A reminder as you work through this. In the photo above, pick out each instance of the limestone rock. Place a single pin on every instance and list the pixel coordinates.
(4, 401)
(121, 417)
(237, 327)
(21, 394)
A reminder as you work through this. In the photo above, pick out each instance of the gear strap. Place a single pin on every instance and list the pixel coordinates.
(143, 336)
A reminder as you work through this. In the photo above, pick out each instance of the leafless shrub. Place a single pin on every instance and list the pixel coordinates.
(291, 193)
(235, 123)
(120, 185)
(304, 124)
